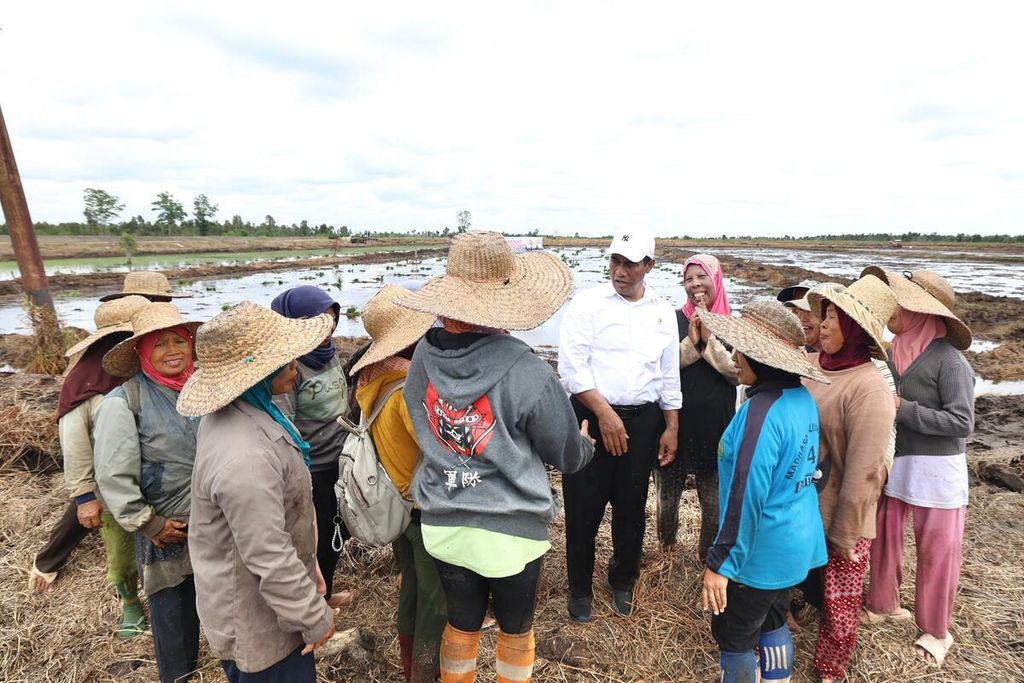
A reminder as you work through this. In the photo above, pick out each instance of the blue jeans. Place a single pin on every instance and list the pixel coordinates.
(295, 668)
(175, 624)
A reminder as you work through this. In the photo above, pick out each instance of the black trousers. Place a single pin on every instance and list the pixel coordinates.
(175, 624)
(749, 612)
(326, 505)
(467, 593)
(622, 481)
(65, 536)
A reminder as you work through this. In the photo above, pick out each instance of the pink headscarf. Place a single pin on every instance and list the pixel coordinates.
(719, 301)
(144, 349)
(919, 330)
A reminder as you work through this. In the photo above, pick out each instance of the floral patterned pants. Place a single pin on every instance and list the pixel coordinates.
(843, 582)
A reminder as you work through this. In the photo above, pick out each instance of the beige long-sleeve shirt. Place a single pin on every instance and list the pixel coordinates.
(76, 445)
(856, 415)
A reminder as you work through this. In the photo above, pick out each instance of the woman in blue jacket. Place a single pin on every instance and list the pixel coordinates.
(770, 532)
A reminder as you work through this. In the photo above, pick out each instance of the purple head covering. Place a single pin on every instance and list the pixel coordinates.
(308, 301)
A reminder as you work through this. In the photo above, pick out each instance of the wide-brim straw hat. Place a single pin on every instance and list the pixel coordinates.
(145, 283)
(869, 301)
(392, 327)
(766, 332)
(240, 347)
(486, 284)
(110, 317)
(122, 361)
(925, 291)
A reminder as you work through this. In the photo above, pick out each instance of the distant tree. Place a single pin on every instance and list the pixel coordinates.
(465, 220)
(343, 231)
(269, 224)
(203, 213)
(128, 245)
(101, 208)
(169, 211)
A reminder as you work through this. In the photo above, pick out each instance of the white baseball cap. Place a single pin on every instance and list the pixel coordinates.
(633, 243)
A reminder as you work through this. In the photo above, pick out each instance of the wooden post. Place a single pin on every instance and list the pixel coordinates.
(19, 226)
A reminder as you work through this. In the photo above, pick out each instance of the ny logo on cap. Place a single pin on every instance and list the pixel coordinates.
(625, 238)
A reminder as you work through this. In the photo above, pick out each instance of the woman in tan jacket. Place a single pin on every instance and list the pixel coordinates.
(856, 415)
(252, 538)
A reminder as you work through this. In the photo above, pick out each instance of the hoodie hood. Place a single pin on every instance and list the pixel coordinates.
(464, 375)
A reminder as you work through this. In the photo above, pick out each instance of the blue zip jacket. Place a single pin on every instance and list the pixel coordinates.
(770, 534)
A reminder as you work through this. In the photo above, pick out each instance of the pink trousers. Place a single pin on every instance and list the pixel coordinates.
(938, 534)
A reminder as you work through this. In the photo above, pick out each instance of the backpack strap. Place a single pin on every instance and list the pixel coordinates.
(378, 405)
(131, 392)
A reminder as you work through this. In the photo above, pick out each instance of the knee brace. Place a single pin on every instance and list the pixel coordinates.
(776, 649)
(738, 667)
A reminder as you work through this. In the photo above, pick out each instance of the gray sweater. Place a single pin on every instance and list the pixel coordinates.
(936, 413)
(488, 417)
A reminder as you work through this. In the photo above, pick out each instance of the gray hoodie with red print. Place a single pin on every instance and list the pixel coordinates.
(488, 416)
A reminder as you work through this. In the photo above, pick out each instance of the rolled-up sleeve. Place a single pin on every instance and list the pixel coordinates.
(574, 337)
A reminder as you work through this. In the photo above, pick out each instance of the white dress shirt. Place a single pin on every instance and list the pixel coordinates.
(627, 350)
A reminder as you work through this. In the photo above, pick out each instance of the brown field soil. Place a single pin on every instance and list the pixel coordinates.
(81, 246)
(66, 635)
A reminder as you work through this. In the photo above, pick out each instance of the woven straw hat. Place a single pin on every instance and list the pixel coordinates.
(110, 317)
(121, 360)
(391, 326)
(925, 291)
(147, 283)
(240, 347)
(766, 332)
(486, 284)
(868, 301)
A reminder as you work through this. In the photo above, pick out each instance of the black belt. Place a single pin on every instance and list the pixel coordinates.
(632, 410)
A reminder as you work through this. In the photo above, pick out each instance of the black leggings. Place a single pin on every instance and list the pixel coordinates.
(466, 593)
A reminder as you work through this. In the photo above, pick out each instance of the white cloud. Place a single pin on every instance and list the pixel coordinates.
(759, 118)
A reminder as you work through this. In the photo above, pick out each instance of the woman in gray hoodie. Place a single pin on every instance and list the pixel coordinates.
(489, 416)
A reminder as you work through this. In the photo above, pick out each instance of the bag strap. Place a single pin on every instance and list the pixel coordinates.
(378, 405)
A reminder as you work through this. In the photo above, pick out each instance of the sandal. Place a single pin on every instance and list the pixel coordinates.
(928, 645)
(869, 617)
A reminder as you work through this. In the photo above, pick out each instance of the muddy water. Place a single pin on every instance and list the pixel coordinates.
(1000, 278)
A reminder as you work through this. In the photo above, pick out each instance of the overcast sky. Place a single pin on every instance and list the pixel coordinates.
(692, 118)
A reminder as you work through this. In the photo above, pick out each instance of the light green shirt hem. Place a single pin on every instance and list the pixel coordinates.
(488, 553)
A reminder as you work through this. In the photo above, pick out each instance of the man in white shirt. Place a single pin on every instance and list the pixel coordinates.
(618, 355)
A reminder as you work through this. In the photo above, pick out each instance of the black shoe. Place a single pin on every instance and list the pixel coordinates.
(581, 609)
(622, 601)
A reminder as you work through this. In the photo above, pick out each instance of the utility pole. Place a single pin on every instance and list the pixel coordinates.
(19, 225)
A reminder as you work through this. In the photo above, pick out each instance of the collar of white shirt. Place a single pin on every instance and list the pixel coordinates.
(649, 294)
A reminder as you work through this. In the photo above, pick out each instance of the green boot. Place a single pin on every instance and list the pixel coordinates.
(133, 619)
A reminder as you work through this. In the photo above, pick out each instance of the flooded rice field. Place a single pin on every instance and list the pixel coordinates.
(1002, 276)
(352, 285)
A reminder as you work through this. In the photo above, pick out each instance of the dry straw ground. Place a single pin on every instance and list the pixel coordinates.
(66, 635)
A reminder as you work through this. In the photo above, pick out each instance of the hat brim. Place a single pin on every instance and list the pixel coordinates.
(84, 344)
(917, 299)
(122, 361)
(860, 314)
(213, 385)
(121, 295)
(539, 285)
(756, 343)
(406, 332)
(800, 303)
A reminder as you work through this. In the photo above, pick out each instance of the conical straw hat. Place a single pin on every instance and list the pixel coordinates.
(110, 317)
(121, 360)
(240, 347)
(391, 326)
(486, 284)
(925, 291)
(767, 332)
(868, 301)
(147, 283)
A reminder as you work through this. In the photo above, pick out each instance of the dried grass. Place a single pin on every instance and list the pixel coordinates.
(28, 423)
(47, 353)
(66, 635)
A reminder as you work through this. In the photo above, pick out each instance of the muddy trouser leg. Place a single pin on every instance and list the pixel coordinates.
(707, 494)
(430, 608)
(668, 484)
(65, 536)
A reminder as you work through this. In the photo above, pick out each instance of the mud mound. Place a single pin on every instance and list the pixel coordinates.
(1005, 362)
